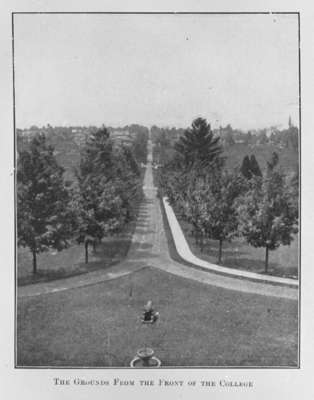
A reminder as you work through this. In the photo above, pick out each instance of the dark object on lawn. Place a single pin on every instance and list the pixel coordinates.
(145, 355)
(149, 315)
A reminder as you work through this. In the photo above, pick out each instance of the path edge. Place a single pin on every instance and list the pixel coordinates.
(185, 254)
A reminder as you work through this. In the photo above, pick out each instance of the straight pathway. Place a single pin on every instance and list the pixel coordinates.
(150, 248)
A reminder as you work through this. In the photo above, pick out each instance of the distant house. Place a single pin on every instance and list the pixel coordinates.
(121, 137)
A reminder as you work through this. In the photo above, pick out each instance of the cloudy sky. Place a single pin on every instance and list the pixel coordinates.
(156, 69)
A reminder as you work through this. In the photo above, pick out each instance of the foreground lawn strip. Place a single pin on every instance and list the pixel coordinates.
(200, 325)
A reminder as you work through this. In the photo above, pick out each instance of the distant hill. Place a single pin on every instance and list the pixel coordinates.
(68, 141)
(237, 144)
(288, 158)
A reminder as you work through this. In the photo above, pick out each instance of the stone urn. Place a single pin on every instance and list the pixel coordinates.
(145, 358)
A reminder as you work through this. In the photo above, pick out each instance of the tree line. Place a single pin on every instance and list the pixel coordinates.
(283, 138)
(51, 211)
(221, 204)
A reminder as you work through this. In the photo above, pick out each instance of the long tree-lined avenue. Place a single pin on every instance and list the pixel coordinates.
(92, 319)
(238, 322)
(150, 248)
(157, 190)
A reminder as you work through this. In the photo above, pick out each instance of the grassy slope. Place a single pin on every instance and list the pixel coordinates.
(288, 159)
(199, 325)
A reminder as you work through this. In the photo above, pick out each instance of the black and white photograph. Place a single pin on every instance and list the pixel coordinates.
(157, 190)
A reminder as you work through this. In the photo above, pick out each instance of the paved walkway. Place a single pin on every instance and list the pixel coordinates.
(149, 248)
(186, 254)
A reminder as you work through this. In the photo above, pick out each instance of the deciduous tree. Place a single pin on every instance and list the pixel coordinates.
(108, 181)
(44, 218)
(268, 215)
(216, 206)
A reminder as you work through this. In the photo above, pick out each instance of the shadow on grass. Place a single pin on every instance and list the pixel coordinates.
(255, 265)
(142, 224)
(236, 254)
(145, 246)
(47, 276)
(63, 272)
(70, 262)
(233, 256)
(143, 231)
(248, 264)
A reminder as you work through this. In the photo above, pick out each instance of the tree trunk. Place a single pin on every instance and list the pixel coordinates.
(86, 252)
(34, 262)
(266, 260)
(220, 251)
(202, 243)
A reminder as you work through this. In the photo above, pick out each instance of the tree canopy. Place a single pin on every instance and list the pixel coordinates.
(108, 183)
(44, 217)
(250, 167)
(267, 213)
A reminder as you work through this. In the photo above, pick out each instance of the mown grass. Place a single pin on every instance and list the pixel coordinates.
(238, 254)
(54, 265)
(199, 325)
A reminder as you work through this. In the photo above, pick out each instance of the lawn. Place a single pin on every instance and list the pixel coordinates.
(239, 255)
(199, 325)
(288, 158)
(69, 262)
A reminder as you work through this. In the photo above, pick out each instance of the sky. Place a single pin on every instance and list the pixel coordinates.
(156, 69)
